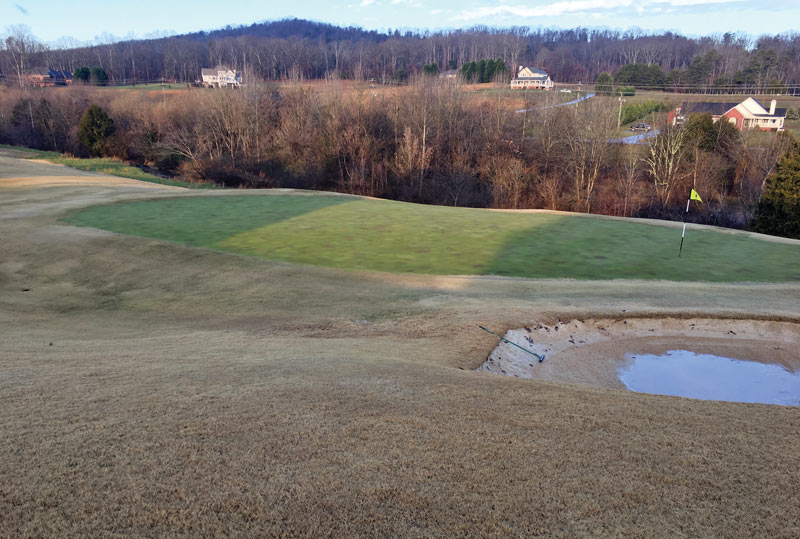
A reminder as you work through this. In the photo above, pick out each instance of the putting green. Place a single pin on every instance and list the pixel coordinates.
(398, 237)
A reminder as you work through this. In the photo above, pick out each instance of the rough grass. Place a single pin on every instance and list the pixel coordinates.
(108, 166)
(398, 237)
(29, 153)
(118, 168)
(153, 390)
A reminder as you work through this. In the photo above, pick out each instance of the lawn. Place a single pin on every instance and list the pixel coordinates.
(388, 236)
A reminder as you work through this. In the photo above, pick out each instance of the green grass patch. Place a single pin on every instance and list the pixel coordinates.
(202, 221)
(397, 237)
(30, 153)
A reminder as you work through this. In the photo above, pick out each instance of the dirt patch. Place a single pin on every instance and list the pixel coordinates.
(63, 181)
(588, 351)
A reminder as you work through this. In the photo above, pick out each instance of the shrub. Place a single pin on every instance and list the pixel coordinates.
(430, 69)
(637, 111)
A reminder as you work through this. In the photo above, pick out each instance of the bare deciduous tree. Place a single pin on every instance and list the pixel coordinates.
(21, 45)
(586, 137)
(664, 161)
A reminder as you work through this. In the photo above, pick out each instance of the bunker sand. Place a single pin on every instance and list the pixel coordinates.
(152, 389)
(588, 351)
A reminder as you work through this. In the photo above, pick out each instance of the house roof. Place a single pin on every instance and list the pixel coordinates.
(779, 113)
(216, 70)
(749, 107)
(755, 109)
(535, 70)
(705, 107)
(60, 74)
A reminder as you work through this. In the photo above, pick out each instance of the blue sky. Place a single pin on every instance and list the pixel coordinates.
(93, 20)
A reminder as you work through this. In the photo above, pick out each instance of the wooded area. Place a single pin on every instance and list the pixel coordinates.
(298, 49)
(432, 142)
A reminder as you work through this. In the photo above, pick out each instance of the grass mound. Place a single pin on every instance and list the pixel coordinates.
(398, 237)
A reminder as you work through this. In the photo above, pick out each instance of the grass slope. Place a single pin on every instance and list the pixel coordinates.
(398, 237)
(106, 166)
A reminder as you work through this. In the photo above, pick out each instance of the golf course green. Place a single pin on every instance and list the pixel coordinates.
(388, 236)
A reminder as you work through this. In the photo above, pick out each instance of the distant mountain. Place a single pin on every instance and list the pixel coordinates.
(291, 28)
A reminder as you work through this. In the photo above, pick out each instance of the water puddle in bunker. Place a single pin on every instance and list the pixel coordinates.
(682, 373)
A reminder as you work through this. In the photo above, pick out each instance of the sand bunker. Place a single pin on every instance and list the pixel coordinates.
(592, 351)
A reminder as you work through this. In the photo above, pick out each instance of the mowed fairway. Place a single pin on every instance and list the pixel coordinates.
(350, 233)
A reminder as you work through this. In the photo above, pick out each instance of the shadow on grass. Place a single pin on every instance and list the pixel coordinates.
(200, 222)
(401, 238)
(590, 248)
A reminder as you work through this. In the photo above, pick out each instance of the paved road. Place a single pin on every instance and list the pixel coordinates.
(638, 138)
(573, 102)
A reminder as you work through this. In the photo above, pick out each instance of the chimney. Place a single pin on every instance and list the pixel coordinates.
(772, 107)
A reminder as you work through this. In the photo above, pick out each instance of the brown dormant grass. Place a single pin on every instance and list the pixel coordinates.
(150, 389)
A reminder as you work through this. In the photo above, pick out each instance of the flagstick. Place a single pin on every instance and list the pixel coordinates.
(684, 225)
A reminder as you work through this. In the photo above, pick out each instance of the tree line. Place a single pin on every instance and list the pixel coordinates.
(709, 73)
(430, 142)
(297, 49)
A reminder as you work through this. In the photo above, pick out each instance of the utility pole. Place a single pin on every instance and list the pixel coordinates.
(619, 116)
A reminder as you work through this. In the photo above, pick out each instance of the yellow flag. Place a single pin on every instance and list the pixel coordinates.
(695, 196)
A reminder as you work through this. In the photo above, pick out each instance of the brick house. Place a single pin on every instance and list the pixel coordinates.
(749, 114)
(42, 77)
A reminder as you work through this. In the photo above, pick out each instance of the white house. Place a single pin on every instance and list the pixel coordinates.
(531, 77)
(221, 77)
(750, 114)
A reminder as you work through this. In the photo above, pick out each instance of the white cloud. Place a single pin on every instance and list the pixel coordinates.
(578, 6)
(365, 3)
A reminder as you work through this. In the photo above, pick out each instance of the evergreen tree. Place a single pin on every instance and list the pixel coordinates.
(778, 210)
(467, 71)
(82, 74)
(604, 83)
(99, 77)
(430, 69)
(95, 128)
